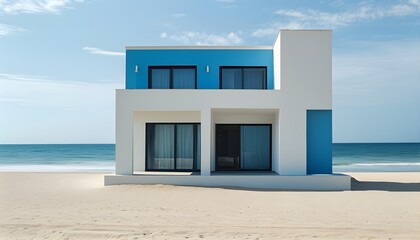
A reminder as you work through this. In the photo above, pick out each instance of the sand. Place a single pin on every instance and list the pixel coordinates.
(78, 206)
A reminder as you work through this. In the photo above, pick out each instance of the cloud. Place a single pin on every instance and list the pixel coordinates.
(275, 28)
(102, 52)
(41, 91)
(30, 6)
(376, 92)
(35, 6)
(202, 38)
(178, 15)
(227, 3)
(42, 109)
(310, 18)
(9, 29)
(379, 73)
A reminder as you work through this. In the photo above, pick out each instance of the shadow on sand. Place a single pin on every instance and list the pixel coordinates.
(384, 186)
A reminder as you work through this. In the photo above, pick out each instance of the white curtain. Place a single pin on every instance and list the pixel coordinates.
(161, 146)
(184, 146)
(184, 78)
(254, 78)
(231, 78)
(162, 154)
(161, 78)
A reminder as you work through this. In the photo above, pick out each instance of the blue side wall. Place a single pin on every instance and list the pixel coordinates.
(319, 141)
(200, 58)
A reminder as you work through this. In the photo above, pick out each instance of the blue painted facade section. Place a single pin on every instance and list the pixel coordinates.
(214, 58)
(319, 141)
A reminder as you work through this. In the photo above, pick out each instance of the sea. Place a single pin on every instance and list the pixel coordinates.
(347, 157)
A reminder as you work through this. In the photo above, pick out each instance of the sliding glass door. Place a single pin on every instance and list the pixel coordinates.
(172, 147)
(243, 147)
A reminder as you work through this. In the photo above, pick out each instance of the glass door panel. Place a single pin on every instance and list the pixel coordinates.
(243, 147)
(227, 147)
(161, 146)
(185, 146)
(255, 147)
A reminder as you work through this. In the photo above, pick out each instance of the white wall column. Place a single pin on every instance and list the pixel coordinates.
(292, 141)
(276, 143)
(206, 142)
(123, 137)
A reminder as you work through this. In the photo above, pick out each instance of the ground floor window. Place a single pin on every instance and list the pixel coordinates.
(243, 147)
(173, 146)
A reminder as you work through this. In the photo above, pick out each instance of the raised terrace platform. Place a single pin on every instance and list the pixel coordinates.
(254, 180)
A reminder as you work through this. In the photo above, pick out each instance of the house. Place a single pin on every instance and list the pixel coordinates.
(229, 116)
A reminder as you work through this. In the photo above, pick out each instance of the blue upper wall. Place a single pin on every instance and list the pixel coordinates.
(214, 58)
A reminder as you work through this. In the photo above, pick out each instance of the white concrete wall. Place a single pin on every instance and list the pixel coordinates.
(123, 136)
(305, 76)
(243, 116)
(304, 73)
(292, 141)
(206, 141)
(306, 67)
(276, 62)
(276, 143)
(250, 106)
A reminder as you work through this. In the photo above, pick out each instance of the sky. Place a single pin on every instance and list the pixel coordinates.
(61, 60)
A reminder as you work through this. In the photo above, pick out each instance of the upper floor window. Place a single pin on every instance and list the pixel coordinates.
(243, 77)
(173, 77)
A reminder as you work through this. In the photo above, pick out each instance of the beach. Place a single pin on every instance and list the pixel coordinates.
(78, 206)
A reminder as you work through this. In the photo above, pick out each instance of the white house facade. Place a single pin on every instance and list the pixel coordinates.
(253, 117)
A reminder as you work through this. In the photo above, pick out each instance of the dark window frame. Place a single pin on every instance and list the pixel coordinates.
(195, 156)
(270, 169)
(171, 75)
(243, 76)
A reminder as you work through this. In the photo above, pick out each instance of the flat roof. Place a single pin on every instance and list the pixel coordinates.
(199, 47)
(297, 30)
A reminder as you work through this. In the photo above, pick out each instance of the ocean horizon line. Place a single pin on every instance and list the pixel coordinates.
(100, 157)
(114, 143)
